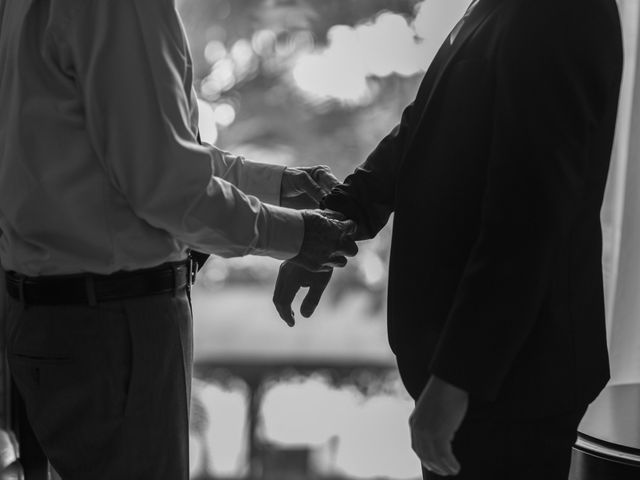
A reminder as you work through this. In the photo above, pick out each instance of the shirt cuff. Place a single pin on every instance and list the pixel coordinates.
(262, 180)
(281, 233)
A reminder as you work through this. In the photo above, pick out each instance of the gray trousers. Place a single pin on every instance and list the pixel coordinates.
(107, 388)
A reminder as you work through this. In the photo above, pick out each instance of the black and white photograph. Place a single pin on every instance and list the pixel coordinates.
(319, 239)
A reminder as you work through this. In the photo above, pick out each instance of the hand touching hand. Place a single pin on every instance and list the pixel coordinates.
(434, 422)
(292, 277)
(326, 243)
(304, 187)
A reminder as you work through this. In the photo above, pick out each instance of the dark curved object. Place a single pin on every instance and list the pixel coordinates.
(608, 446)
(199, 258)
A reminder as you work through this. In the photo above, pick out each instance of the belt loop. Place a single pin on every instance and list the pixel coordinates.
(21, 290)
(90, 286)
(174, 268)
(192, 271)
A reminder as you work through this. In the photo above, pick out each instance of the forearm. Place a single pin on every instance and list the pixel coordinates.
(220, 219)
(369, 220)
(367, 196)
(261, 180)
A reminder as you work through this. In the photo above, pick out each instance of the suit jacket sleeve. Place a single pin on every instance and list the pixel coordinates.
(556, 77)
(368, 195)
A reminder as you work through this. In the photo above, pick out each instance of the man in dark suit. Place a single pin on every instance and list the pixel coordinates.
(496, 175)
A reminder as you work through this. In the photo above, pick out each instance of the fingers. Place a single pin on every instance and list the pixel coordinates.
(435, 454)
(286, 288)
(313, 189)
(349, 227)
(300, 190)
(316, 289)
(290, 279)
(323, 176)
(317, 182)
(332, 214)
(308, 262)
(347, 246)
(337, 261)
(443, 458)
(325, 242)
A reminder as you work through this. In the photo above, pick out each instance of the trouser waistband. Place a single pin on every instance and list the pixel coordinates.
(89, 288)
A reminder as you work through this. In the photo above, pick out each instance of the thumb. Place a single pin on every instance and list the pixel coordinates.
(313, 296)
(349, 227)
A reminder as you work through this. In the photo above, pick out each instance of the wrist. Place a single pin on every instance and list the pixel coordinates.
(441, 386)
(282, 232)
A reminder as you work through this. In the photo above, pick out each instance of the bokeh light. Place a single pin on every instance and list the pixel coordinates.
(388, 44)
(263, 42)
(224, 114)
(214, 51)
(207, 122)
(219, 446)
(368, 435)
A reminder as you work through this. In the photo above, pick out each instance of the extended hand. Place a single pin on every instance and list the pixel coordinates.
(326, 243)
(304, 187)
(434, 422)
(291, 278)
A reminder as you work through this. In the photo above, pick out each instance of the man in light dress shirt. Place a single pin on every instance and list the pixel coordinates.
(103, 188)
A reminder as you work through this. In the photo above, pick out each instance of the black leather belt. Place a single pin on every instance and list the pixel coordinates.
(92, 288)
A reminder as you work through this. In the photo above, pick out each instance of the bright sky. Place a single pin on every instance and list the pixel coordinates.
(387, 44)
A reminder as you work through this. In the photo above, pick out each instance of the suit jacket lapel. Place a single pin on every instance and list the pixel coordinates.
(468, 29)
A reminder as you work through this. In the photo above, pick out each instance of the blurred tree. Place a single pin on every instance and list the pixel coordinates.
(244, 54)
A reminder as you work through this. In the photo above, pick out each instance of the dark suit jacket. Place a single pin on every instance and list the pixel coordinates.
(496, 175)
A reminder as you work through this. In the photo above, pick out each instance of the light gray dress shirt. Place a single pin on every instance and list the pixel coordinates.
(100, 169)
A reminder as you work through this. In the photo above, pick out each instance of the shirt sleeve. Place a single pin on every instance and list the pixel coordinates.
(133, 66)
(261, 180)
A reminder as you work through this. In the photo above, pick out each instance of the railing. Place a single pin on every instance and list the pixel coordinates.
(263, 459)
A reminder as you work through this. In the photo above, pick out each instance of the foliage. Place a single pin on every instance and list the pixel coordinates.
(245, 53)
